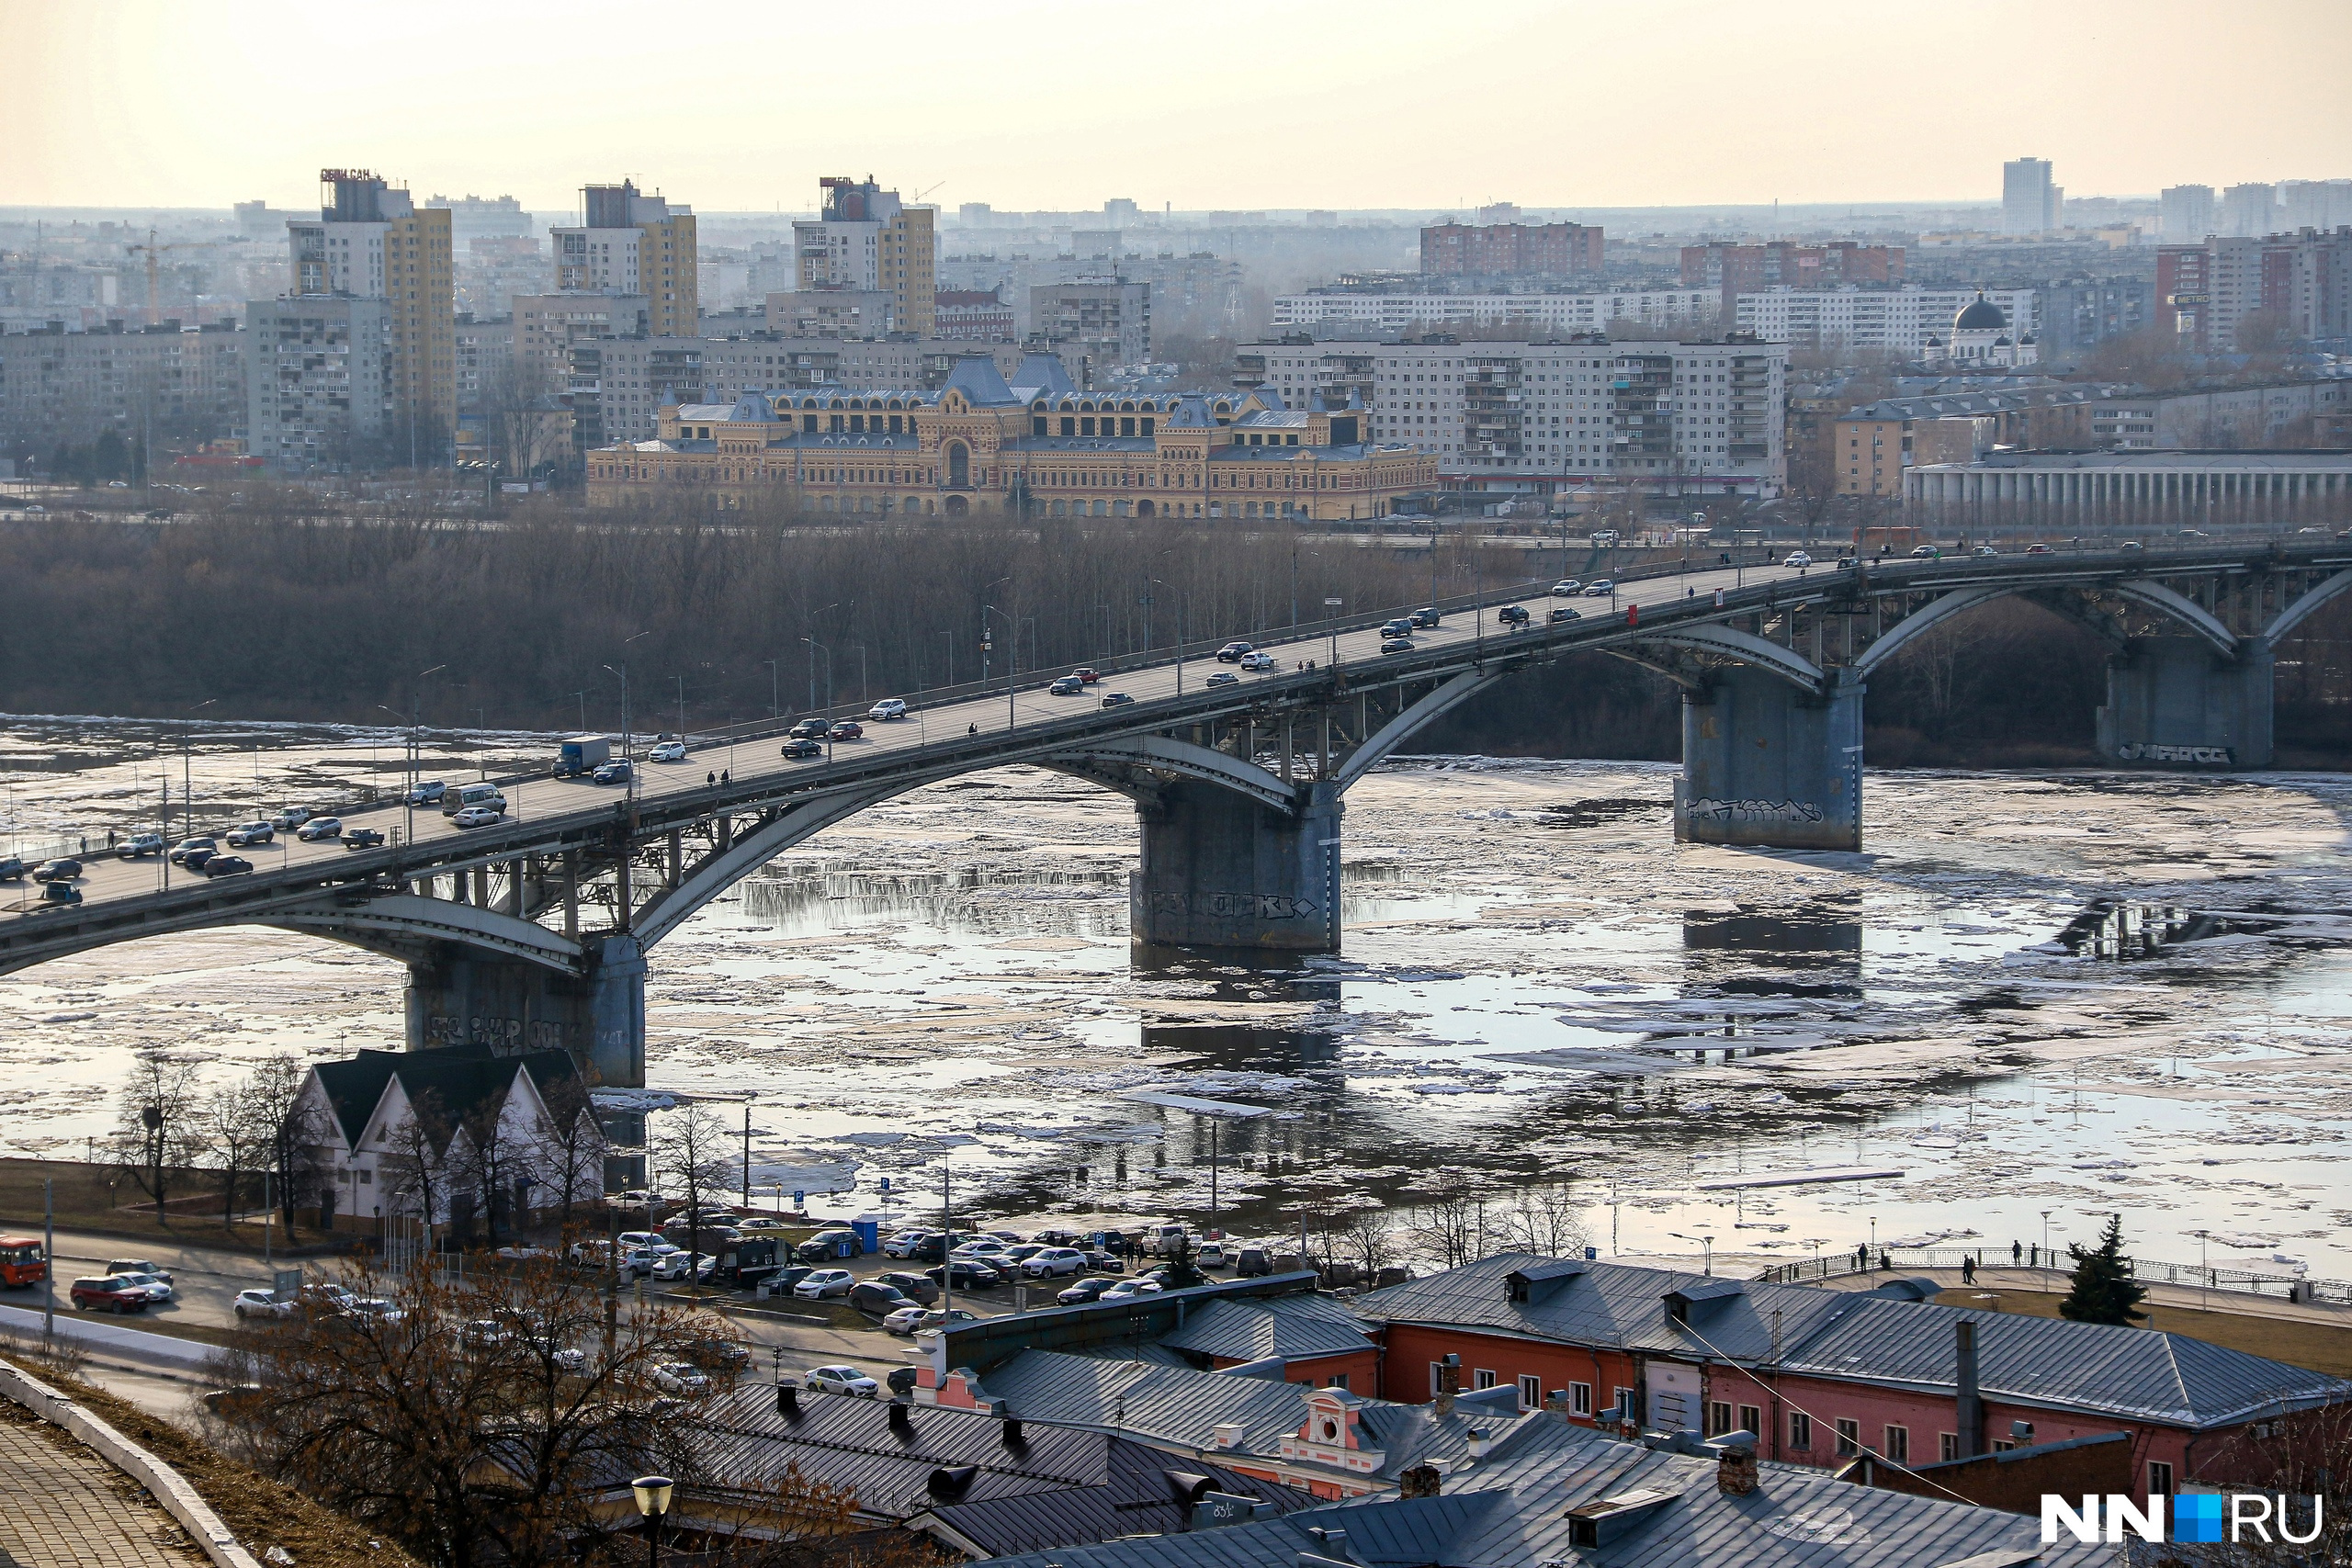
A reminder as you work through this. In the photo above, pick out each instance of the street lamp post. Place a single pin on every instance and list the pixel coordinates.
(652, 1501)
(828, 652)
(775, 691)
(1183, 615)
(1707, 1242)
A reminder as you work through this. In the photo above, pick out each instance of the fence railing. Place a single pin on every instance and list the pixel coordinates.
(2148, 1272)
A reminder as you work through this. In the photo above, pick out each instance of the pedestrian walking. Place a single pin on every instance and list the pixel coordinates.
(710, 778)
(1862, 1257)
(2017, 1253)
(1968, 1271)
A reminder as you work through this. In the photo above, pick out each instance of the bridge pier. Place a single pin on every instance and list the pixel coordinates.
(2175, 700)
(1765, 763)
(458, 994)
(1220, 869)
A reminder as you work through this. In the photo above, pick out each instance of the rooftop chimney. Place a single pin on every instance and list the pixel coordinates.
(1449, 1382)
(1479, 1442)
(1225, 1435)
(787, 1398)
(1420, 1480)
(1013, 1436)
(1735, 1474)
(901, 1421)
(1971, 1403)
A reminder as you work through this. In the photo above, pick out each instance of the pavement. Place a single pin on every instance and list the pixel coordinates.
(62, 1506)
(105, 878)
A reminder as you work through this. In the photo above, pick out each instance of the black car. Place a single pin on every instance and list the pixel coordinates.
(1400, 627)
(63, 870)
(967, 1274)
(1117, 700)
(195, 859)
(617, 771)
(181, 851)
(780, 1283)
(1426, 615)
(920, 1289)
(1512, 614)
(363, 839)
(1395, 645)
(881, 1300)
(808, 729)
(719, 1355)
(1082, 1292)
(226, 865)
(1232, 651)
(801, 746)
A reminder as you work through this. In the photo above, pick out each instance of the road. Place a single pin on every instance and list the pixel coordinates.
(106, 878)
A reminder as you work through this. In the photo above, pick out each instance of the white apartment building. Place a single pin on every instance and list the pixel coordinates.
(1704, 415)
(1546, 313)
(320, 379)
(1898, 321)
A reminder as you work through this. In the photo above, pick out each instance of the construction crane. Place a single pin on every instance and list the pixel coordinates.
(927, 190)
(154, 256)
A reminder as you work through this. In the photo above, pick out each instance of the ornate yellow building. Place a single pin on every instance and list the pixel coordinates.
(1042, 449)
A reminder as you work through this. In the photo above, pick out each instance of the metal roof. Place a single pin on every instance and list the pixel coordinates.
(1292, 1328)
(2093, 1368)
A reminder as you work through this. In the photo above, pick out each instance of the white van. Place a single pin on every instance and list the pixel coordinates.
(456, 800)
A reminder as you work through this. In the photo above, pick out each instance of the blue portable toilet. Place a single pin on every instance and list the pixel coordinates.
(869, 1230)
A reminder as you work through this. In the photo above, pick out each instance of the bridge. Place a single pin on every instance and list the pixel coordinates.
(534, 932)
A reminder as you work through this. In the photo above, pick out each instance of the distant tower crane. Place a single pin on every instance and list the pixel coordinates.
(154, 256)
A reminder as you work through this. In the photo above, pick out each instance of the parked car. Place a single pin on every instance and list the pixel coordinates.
(1212, 1255)
(1797, 558)
(363, 839)
(825, 1283)
(667, 751)
(478, 817)
(618, 771)
(1225, 677)
(808, 729)
(889, 708)
(847, 730)
(1083, 1292)
(1599, 588)
(801, 748)
(1127, 1290)
(227, 865)
(319, 829)
(1052, 1262)
(899, 1243)
(65, 869)
(1252, 1261)
(1563, 613)
(293, 817)
(1117, 700)
(829, 1243)
(781, 1281)
(724, 1355)
(913, 1320)
(914, 1287)
(113, 1291)
(680, 1378)
(1566, 588)
(1232, 652)
(879, 1300)
(1260, 661)
(139, 844)
(1395, 645)
(967, 1274)
(426, 794)
(841, 1379)
(203, 842)
(260, 1303)
(1424, 617)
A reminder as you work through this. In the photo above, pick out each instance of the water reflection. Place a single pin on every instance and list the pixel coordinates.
(2123, 931)
(1812, 952)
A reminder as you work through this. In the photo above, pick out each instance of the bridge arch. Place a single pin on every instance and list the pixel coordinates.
(397, 924)
(1748, 648)
(1160, 752)
(2286, 619)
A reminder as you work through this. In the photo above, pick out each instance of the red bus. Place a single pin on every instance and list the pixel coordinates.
(21, 1263)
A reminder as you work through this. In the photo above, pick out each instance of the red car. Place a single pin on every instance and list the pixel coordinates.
(848, 729)
(1086, 674)
(113, 1291)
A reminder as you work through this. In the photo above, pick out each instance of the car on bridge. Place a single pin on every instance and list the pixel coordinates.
(800, 747)
(1395, 645)
(889, 708)
(1566, 588)
(1426, 616)
(477, 816)
(808, 729)
(1797, 558)
(426, 794)
(364, 839)
(1931, 552)
(1260, 661)
(1600, 588)
(1985, 550)
(1086, 672)
(227, 865)
(1225, 677)
(1397, 626)
(139, 844)
(1118, 700)
(1512, 615)
(617, 771)
(1068, 686)
(318, 830)
(58, 895)
(12, 868)
(1565, 613)
(667, 751)
(249, 834)
(846, 729)
(2038, 550)
(1233, 652)
(293, 817)
(64, 869)
(202, 844)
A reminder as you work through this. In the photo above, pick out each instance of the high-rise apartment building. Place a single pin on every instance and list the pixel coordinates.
(319, 382)
(2029, 200)
(1734, 269)
(2205, 292)
(2249, 212)
(1508, 250)
(1101, 322)
(866, 238)
(2185, 213)
(371, 241)
(634, 243)
(2314, 203)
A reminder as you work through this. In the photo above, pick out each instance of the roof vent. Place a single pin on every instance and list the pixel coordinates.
(1225, 1435)
(952, 1481)
(1604, 1519)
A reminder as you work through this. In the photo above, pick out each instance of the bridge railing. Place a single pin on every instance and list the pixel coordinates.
(2148, 1272)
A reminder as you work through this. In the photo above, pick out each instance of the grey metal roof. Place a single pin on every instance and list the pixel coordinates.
(1512, 1514)
(2091, 1368)
(1292, 1328)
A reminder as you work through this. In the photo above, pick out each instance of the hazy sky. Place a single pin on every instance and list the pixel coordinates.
(1205, 104)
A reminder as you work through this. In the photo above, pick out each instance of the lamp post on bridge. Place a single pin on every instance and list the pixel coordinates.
(828, 652)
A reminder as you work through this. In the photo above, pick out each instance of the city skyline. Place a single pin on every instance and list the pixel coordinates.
(1693, 104)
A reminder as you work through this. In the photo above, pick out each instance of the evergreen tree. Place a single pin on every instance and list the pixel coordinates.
(2104, 1290)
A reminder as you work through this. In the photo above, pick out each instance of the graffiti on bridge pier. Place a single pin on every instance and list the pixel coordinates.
(2145, 751)
(1755, 811)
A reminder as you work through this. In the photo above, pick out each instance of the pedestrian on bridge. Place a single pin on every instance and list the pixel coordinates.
(710, 778)
(1968, 1271)
(971, 729)
(2017, 1253)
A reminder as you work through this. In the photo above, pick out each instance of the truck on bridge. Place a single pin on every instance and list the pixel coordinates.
(583, 754)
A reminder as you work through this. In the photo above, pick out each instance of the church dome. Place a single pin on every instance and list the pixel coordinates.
(1979, 315)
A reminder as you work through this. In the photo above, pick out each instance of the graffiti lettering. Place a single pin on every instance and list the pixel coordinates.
(2141, 751)
(1755, 811)
(1237, 906)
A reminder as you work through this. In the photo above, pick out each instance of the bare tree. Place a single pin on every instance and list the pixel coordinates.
(571, 1154)
(1445, 1229)
(1548, 1220)
(161, 1125)
(1368, 1240)
(2297, 1455)
(295, 1130)
(238, 1140)
(690, 1156)
(415, 1170)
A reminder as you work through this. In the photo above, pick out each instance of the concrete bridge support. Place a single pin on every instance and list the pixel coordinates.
(1767, 763)
(1220, 869)
(458, 994)
(2176, 701)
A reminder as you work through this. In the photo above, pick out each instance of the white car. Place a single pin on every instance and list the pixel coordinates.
(1212, 1255)
(904, 1243)
(1053, 1262)
(158, 1289)
(1798, 558)
(472, 817)
(674, 1265)
(319, 828)
(667, 751)
(631, 1240)
(681, 1377)
(1566, 588)
(1127, 1289)
(824, 1283)
(889, 707)
(843, 1380)
(1599, 588)
(261, 1303)
(916, 1319)
(1258, 661)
